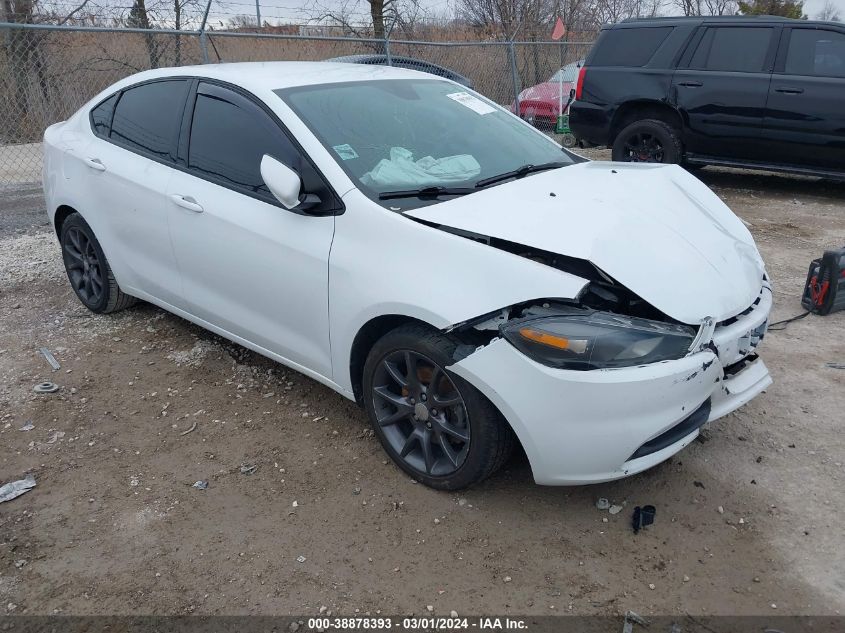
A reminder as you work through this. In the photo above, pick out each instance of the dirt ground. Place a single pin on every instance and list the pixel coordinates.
(748, 521)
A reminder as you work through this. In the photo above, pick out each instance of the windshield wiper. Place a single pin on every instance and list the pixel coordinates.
(519, 172)
(426, 192)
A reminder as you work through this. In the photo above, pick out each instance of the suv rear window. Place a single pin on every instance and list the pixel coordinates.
(733, 49)
(816, 53)
(629, 47)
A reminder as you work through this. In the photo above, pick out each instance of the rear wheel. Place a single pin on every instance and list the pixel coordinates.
(434, 425)
(88, 269)
(648, 141)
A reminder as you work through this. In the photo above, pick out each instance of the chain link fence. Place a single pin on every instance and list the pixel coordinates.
(48, 72)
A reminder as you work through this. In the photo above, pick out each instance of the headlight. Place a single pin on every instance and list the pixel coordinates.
(597, 340)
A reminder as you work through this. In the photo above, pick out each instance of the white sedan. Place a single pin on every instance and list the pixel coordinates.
(421, 251)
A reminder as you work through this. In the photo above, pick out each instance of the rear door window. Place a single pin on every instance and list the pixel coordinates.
(733, 49)
(816, 53)
(629, 47)
(147, 118)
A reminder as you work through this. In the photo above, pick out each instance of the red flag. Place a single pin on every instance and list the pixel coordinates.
(559, 30)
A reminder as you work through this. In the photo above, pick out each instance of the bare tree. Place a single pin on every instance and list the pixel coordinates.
(829, 13)
(706, 7)
(507, 18)
(24, 49)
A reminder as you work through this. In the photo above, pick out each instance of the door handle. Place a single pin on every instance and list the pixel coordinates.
(186, 202)
(789, 91)
(95, 163)
(691, 84)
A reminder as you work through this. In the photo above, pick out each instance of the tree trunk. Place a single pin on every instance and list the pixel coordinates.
(377, 14)
(177, 10)
(139, 19)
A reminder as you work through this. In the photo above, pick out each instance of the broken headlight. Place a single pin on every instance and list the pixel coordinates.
(581, 339)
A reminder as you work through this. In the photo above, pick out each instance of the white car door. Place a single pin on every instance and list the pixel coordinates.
(128, 166)
(249, 266)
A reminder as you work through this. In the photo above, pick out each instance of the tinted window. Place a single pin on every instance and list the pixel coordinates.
(816, 53)
(101, 116)
(629, 47)
(229, 137)
(733, 49)
(147, 117)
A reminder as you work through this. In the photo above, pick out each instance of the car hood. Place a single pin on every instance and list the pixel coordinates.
(654, 228)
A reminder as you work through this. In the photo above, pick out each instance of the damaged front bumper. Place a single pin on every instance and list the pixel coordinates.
(581, 427)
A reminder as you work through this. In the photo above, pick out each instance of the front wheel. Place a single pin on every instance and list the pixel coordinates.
(435, 426)
(648, 141)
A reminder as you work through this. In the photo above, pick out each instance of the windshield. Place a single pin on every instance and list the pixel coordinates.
(569, 73)
(410, 134)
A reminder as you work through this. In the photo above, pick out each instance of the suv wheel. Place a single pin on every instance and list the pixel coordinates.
(648, 141)
(437, 427)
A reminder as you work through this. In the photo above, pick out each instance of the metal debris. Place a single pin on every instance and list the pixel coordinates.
(193, 426)
(614, 509)
(632, 618)
(50, 358)
(836, 365)
(602, 504)
(55, 437)
(27, 427)
(301, 559)
(46, 387)
(248, 469)
(200, 485)
(16, 488)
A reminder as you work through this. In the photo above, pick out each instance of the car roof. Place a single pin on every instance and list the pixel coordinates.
(262, 76)
(715, 19)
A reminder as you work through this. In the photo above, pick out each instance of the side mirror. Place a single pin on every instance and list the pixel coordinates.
(572, 94)
(284, 184)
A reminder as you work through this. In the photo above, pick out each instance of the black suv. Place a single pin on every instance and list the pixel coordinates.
(760, 92)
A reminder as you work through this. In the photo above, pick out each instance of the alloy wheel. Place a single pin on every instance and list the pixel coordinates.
(421, 413)
(83, 266)
(643, 148)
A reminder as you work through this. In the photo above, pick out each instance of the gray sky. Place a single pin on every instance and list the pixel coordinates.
(812, 7)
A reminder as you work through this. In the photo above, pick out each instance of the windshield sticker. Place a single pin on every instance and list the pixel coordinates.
(345, 151)
(473, 103)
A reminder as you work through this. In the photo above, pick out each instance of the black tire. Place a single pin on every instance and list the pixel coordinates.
(88, 270)
(648, 141)
(490, 440)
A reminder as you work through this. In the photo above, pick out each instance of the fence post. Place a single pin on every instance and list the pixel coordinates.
(387, 42)
(203, 36)
(514, 76)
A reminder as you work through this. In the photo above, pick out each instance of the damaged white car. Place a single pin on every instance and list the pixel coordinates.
(424, 252)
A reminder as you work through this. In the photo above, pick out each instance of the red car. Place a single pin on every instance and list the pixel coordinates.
(540, 104)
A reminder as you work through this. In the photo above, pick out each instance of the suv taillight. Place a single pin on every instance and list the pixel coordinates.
(579, 87)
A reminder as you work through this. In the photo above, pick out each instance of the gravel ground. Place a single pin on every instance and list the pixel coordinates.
(747, 521)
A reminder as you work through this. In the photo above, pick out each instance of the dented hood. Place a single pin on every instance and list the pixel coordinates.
(654, 228)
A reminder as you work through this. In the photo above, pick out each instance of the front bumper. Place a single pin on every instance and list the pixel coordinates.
(580, 427)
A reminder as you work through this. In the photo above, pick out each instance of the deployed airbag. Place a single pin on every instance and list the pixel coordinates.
(402, 170)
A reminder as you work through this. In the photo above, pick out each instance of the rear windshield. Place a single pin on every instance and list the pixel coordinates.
(629, 47)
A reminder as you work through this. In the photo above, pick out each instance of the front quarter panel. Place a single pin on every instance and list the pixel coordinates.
(383, 263)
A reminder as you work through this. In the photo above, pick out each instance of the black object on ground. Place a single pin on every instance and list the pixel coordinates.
(643, 516)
